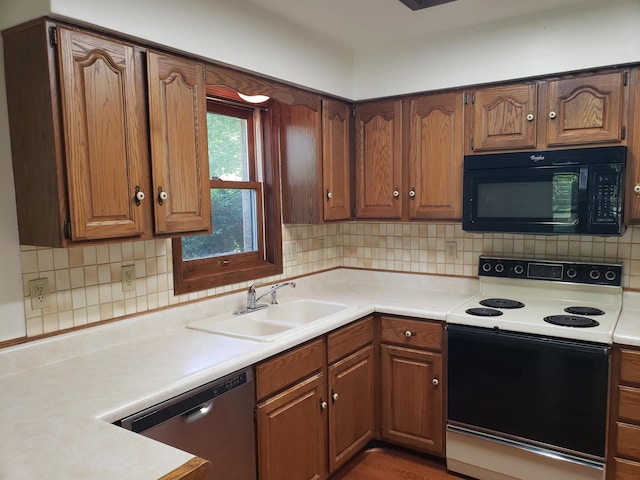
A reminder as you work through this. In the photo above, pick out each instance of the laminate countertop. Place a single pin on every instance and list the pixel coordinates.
(60, 395)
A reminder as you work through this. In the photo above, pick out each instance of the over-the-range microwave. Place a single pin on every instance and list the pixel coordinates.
(573, 191)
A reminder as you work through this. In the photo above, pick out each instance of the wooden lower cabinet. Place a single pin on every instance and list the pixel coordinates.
(351, 412)
(292, 433)
(316, 405)
(412, 395)
(623, 460)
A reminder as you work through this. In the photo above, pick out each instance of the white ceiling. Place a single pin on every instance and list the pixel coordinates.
(361, 24)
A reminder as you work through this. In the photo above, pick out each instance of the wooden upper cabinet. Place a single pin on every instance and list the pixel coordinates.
(336, 154)
(179, 148)
(435, 156)
(102, 111)
(586, 110)
(503, 117)
(378, 159)
(78, 121)
(575, 110)
(315, 149)
(300, 152)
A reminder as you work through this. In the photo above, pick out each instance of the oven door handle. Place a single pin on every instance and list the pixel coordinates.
(505, 336)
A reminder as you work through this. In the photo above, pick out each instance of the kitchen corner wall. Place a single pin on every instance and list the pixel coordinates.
(85, 282)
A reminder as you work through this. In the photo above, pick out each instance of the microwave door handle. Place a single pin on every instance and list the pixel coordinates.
(583, 179)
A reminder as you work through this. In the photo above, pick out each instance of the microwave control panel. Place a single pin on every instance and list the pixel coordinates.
(606, 202)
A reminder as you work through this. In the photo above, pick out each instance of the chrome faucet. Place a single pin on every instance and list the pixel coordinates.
(252, 300)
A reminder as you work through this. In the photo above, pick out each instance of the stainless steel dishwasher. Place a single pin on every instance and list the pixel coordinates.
(214, 422)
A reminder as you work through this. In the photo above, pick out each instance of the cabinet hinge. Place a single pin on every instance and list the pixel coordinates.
(53, 36)
(67, 228)
(466, 98)
(625, 80)
(473, 145)
(473, 98)
(623, 132)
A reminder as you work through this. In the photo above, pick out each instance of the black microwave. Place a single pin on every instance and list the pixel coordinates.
(578, 191)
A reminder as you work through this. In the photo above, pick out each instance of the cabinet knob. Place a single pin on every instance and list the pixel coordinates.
(162, 195)
(139, 196)
(334, 396)
(530, 117)
(409, 334)
(323, 404)
(396, 193)
(412, 194)
(552, 114)
(636, 189)
(436, 381)
(329, 195)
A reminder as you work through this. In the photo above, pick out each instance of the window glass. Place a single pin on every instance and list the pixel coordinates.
(228, 147)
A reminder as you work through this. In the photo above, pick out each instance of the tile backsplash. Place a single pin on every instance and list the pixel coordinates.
(85, 282)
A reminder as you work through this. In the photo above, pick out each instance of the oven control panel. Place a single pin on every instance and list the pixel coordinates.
(572, 272)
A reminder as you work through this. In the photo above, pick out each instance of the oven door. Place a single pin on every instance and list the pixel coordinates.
(527, 200)
(543, 391)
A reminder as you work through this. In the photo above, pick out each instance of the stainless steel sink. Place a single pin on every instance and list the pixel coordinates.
(270, 323)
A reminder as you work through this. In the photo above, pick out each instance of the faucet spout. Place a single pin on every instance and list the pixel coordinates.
(273, 291)
(252, 300)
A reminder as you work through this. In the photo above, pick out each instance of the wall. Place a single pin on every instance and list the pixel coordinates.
(587, 35)
(87, 282)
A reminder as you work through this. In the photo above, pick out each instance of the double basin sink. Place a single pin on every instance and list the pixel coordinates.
(270, 323)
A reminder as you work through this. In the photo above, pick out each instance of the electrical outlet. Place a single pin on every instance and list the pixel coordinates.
(39, 290)
(451, 249)
(290, 251)
(128, 278)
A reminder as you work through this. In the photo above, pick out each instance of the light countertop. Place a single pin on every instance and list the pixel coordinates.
(58, 396)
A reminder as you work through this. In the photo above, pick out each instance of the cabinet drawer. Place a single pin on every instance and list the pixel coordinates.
(414, 333)
(628, 442)
(286, 369)
(348, 339)
(630, 366)
(626, 469)
(629, 403)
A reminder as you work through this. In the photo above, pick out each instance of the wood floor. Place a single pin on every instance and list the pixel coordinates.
(389, 464)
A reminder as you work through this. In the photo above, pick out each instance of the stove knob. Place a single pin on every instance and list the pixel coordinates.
(499, 268)
(594, 274)
(486, 267)
(572, 273)
(518, 269)
(610, 275)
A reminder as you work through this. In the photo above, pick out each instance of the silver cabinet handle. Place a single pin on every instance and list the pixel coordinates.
(409, 334)
(552, 114)
(435, 381)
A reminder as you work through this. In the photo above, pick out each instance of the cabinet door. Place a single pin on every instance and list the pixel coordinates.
(435, 156)
(336, 173)
(179, 149)
(351, 410)
(412, 398)
(300, 151)
(292, 433)
(585, 110)
(378, 158)
(105, 135)
(503, 118)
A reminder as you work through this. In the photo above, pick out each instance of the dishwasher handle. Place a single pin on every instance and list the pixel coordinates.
(197, 413)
